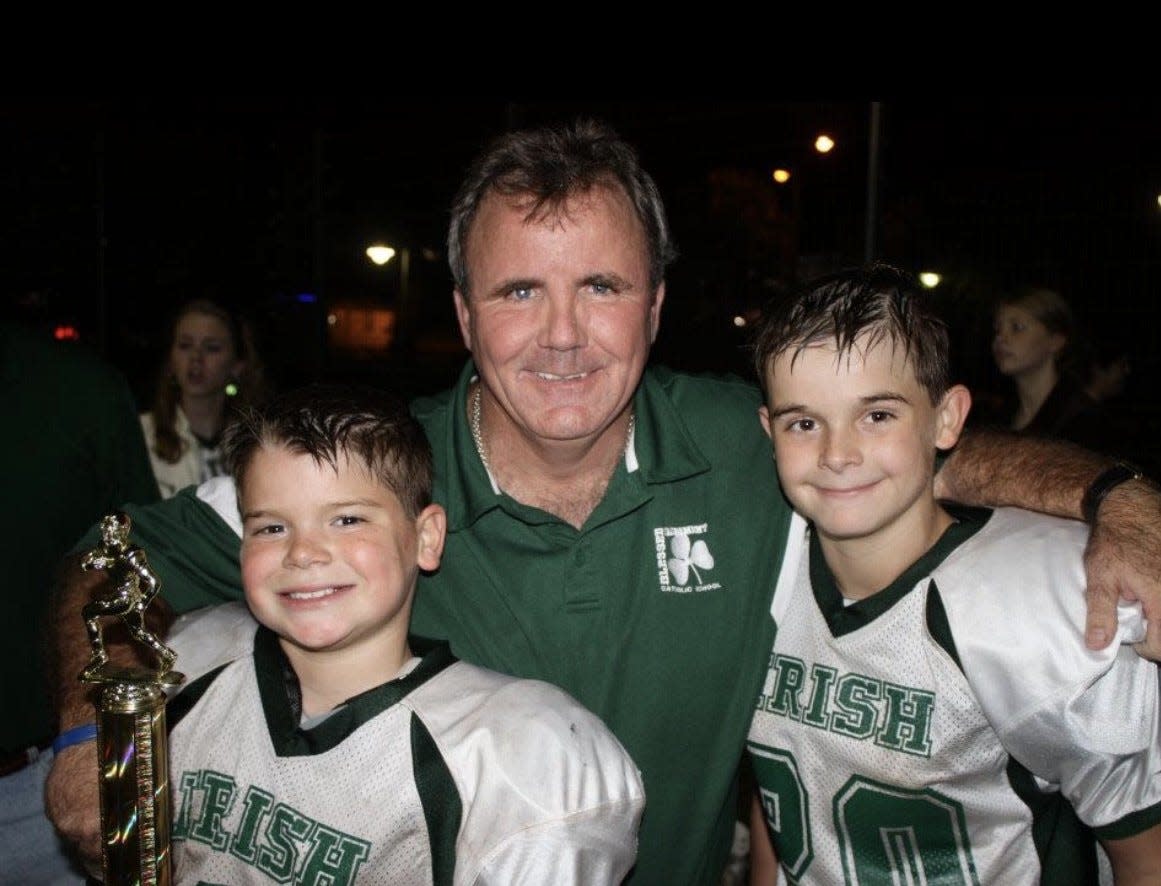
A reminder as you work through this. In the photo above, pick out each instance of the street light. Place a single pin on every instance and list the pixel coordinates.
(380, 254)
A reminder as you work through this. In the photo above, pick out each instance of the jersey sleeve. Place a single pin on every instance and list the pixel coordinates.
(205, 639)
(597, 847)
(1101, 745)
(190, 543)
(1083, 721)
(549, 794)
(581, 794)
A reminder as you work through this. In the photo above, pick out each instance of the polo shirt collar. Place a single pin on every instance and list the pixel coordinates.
(660, 450)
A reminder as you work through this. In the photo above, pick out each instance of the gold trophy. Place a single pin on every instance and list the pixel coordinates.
(132, 743)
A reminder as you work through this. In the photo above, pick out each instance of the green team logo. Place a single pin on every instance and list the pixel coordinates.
(278, 840)
(863, 708)
(684, 561)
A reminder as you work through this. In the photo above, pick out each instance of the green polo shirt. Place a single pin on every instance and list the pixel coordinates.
(655, 614)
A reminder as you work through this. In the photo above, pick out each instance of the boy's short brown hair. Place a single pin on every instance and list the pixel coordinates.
(878, 299)
(327, 422)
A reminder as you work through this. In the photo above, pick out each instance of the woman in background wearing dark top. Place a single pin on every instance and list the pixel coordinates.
(1034, 336)
(1063, 390)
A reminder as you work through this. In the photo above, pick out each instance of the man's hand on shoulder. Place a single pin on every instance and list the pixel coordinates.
(1123, 561)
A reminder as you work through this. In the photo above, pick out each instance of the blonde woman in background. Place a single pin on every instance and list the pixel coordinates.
(210, 367)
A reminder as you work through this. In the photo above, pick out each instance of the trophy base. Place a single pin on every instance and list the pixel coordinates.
(105, 674)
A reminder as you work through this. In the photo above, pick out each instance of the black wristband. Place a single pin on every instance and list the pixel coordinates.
(1106, 482)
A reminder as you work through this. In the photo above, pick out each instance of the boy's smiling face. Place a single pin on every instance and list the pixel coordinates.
(854, 438)
(329, 557)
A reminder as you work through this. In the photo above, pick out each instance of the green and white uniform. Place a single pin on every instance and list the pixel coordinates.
(953, 728)
(654, 615)
(447, 774)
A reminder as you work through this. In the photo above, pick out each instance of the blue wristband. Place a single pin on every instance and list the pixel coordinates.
(76, 735)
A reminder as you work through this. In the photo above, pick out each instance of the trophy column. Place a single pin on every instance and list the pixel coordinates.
(134, 770)
(132, 742)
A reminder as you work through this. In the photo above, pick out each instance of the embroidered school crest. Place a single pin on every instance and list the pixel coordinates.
(684, 561)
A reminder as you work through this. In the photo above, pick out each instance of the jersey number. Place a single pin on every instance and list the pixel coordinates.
(887, 835)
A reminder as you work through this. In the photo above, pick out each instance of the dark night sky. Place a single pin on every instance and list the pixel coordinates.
(118, 209)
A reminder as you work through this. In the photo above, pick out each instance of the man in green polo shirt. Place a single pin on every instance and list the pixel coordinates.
(614, 529)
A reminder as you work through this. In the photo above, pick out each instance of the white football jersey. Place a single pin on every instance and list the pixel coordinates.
(447, 774)
(953, 728)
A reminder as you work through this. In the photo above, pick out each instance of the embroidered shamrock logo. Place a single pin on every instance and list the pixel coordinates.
(688, 557)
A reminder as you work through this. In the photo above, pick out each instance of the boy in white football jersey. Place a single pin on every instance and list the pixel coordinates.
(931, 713)
(331, 748)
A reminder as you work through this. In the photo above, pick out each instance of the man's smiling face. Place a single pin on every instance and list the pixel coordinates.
(561, 314)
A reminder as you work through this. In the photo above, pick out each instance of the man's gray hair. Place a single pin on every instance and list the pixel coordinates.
(549, 165)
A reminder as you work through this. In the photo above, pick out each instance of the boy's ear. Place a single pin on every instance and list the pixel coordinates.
(764, 417)
(430, 530)
(950, 415)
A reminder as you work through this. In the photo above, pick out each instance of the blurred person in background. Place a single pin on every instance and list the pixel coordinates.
(210, 368)
(1066, 387)
(1109, 373)
(1033, 342)
(1125, 417)
(71, 452)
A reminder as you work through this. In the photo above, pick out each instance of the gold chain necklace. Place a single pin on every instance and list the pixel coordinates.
(478, 436)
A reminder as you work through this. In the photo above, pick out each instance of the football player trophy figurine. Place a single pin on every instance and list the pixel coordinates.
(132, 743)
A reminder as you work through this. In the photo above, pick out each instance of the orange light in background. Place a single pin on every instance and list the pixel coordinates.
(361, 328)
(824, 144)
(781, 176)
(66, 332)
